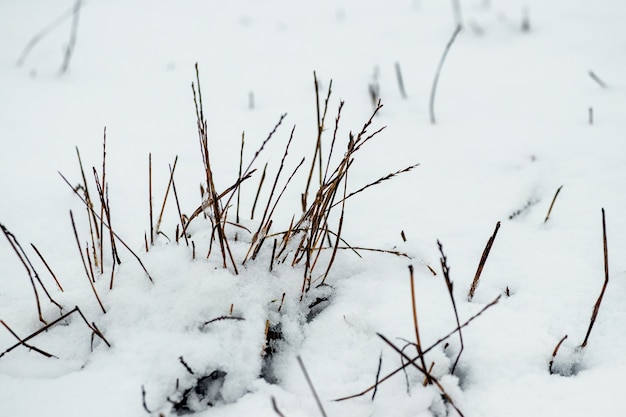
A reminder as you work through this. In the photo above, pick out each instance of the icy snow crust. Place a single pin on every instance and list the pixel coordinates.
(512, 126)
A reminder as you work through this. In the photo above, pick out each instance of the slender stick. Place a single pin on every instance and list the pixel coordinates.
(47, 266)
(433, 89)
(380, 365)
(150, 196)
(418, 342)
(258, 192)
(446, 275)
(596, 308)
(481, 264)
(552, 203)
(167, 191)
(82, 257)
(310, 383)
(180, 214)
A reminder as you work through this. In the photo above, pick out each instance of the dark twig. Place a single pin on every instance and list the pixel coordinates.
(150, 197)
(143, 400)
(380, 365)
(433, 89)
(47, 266)
(418, 343)
(481, 264)
(220, 318)
(32, 273)
(554, 352)
(552, 203)
(308, 380)
(596, 308)
(275, 407)
(449, 284)
(185, 365)
(23, 343)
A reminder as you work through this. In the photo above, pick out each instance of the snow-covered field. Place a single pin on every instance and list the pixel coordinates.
(518, 116)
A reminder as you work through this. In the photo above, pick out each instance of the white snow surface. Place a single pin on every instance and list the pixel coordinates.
(513, 125)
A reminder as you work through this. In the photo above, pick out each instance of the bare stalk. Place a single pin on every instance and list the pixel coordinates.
(433, 89)
(481, 264)
(596, 307)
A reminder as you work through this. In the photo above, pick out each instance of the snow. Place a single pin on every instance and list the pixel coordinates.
(513, 126)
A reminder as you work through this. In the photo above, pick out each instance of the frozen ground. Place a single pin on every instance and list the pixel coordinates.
(512, 127)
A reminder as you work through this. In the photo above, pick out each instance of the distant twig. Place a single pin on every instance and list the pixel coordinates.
(481, 264)
(433, 89)
(310, 383)
(456, 9)
(69, 50)
(597, 79)
(43, 33)
(596, 308)
(552, 203)
(400, 80)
